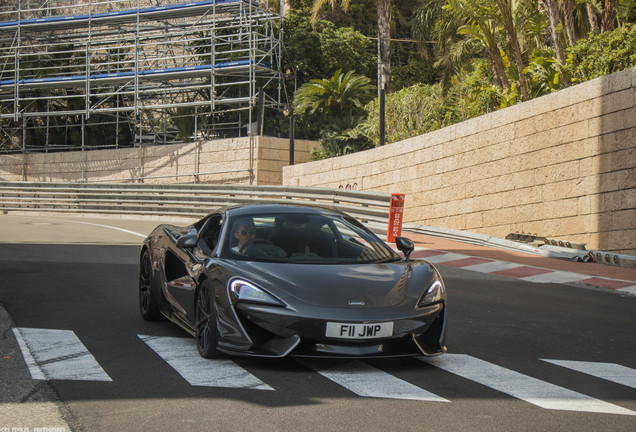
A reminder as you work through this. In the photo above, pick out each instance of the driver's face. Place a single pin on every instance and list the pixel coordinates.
(245, 233)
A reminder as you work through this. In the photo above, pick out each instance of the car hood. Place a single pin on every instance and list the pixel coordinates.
(342, 285)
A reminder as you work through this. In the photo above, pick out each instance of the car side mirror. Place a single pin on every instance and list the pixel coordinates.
(187, 241)
(405, 246)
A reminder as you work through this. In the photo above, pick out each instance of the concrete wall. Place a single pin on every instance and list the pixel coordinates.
(218, 161)
(563, 165)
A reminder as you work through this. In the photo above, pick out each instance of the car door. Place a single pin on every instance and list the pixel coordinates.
(184, 260)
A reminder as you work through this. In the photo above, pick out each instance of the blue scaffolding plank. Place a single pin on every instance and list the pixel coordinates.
(184, 9)
(131, 74)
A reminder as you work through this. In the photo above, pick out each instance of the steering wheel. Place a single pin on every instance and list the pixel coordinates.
(253, 242)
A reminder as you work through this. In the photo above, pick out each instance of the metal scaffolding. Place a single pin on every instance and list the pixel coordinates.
(118, 73)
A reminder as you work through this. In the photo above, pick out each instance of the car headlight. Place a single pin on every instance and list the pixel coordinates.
(241, 290)
(435, 293)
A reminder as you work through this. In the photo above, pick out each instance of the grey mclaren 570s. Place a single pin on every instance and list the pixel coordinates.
(284, 280)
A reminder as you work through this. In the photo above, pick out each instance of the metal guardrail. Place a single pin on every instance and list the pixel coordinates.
(197, 200)
(546, 250)
(189, 200)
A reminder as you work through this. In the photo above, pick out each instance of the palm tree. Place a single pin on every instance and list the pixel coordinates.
(384, 35)
(436, 24)
(339, 95)
(479, 25)
(342, 97)
(626, 11)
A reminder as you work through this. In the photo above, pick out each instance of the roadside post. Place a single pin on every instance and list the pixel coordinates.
(396, 216)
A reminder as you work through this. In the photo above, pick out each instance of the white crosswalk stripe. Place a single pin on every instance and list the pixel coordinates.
(607, 371)
(183, 356)
(521, 386)
(367, 381)
(60, 355)
(57, 355)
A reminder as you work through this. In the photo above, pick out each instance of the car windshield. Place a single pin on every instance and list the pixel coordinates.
(304, 238)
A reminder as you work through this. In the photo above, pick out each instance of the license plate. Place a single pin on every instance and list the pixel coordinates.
(359, 331)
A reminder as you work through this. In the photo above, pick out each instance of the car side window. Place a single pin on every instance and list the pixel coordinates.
(210, 233)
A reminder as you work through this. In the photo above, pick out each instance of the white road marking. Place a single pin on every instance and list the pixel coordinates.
(183, 356)
(441, 259)
(491, 267)
(57, 354)
(367, 381)
(104, 226)
(532, 390)
(607, 371)
(555, 277)
(629, 289)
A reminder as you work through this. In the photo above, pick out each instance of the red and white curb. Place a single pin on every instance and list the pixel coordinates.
(520, 271)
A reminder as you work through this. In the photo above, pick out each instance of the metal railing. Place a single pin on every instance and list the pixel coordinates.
(188, 200)
(197, 200)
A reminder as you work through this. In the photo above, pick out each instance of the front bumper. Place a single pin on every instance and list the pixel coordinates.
(278, 332)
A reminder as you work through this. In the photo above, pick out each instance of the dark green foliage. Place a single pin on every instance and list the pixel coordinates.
(342, 136)
(416, 69)
(320, 52)
(347, 49)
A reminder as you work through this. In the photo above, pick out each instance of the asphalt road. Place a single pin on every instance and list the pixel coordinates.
(78, 276)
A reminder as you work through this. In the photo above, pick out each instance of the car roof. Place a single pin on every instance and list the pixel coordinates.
(255, 209)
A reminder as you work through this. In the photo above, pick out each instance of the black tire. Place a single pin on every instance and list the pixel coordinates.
(149, 298)
(205, 322)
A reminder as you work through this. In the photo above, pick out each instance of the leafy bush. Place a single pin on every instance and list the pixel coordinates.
(420, 108)
(602, 54)
(411, 111)
(473, 93)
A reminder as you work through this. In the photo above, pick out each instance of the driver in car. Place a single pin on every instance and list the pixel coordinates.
(244, 231)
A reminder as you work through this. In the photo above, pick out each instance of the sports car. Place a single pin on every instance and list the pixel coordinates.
(278, 280)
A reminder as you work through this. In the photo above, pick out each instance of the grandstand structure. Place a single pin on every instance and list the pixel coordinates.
(120, 73)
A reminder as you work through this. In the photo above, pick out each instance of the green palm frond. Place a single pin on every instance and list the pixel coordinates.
(340, 93)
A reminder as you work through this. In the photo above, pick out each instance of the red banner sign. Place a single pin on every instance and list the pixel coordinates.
(396, 215)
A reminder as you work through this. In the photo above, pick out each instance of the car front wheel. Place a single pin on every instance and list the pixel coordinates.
(149, 298)
(205, 326)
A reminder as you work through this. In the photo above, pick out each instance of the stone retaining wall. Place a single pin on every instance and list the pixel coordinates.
(562, 165)
(218, 161)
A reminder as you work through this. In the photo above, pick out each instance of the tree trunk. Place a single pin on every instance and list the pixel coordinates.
(494, 57)
(384, 47)
(509, 25)
(552, 9)
(553, 16)
(494, 70)
(568, 21)
(609, 16)
(591, 16)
